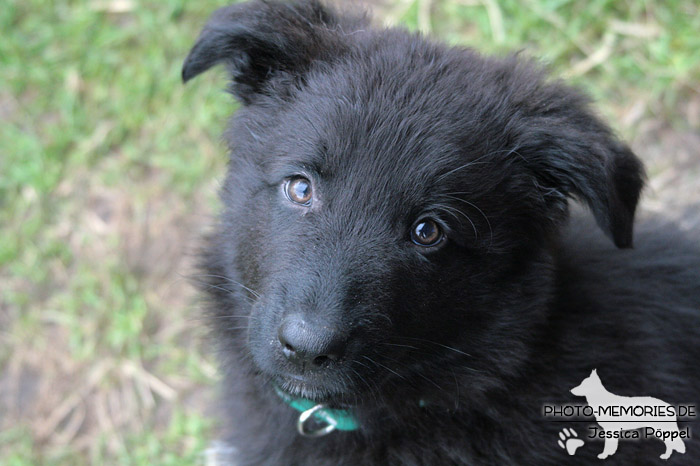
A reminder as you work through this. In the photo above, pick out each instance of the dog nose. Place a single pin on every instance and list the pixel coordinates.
(303, 343)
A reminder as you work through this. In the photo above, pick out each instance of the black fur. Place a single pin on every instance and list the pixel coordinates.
(513, 310)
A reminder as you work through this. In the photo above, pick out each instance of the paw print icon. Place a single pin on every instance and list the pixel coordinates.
(569, 441)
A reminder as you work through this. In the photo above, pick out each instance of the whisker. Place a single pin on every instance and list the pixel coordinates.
(477, 161)
(475, 207)
(374, 386)
(395, 344)
(439, 344)
(416, 372)
(230, 317)
(385, 367)
(466, 165)
(363, 365)
(228, 279)
(450, 209)
(362, 379)
(209, 286)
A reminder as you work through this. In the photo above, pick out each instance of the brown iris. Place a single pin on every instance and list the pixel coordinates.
(298, 190)
(426, 232)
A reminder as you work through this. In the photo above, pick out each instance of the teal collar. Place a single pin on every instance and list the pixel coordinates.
(334, 419)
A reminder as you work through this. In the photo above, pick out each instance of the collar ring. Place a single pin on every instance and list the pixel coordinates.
(308, 414)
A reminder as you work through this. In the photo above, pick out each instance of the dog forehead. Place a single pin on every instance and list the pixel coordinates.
(364, 151)
(379, 130)
(395, 120)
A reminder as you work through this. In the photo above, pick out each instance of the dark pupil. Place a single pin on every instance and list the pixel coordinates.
(426, 232)
(301, 190)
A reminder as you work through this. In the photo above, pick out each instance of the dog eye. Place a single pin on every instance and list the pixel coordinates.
(298, 190)
(426, 232)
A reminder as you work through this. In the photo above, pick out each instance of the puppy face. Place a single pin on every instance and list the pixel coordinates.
(391, 203)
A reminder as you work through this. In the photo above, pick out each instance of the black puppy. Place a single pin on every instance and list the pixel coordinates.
(393, 258)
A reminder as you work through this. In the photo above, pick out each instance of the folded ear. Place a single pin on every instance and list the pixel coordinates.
(572, 153)
(263, 40)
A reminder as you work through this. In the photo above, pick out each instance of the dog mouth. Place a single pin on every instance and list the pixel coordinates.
(298, 387)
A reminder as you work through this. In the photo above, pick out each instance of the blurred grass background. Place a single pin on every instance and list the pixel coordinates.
(108, 175)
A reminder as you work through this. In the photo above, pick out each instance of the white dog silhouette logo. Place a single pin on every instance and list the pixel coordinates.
(617, 413)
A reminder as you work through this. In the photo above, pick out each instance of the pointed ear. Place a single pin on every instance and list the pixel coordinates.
(262, 40)
(573, 154)
(594, 372)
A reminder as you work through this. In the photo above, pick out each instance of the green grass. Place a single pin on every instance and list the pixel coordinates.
(108, 173)
(650, 50)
